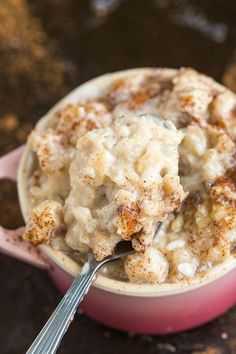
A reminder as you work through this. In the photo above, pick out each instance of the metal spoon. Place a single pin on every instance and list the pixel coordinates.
(53, 331)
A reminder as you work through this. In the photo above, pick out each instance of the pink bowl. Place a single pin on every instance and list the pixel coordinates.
(161, 313)
(153, 309)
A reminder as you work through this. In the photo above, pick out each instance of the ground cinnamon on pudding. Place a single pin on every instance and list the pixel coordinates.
(198, 235)
(129, 220)
(123, 183)
(46, 219)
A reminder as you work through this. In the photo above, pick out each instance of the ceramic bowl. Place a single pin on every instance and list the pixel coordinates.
(140, 308)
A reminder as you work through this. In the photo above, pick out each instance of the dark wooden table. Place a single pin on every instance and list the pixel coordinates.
(48, 47)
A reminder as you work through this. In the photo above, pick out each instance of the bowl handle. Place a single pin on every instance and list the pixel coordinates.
(11, 242)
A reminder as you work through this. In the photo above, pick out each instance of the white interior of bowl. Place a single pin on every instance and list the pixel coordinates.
(93, 89)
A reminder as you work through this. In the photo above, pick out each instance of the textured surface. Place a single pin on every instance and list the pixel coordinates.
(49, 47)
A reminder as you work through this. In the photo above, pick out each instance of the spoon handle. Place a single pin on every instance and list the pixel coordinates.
(53, 331)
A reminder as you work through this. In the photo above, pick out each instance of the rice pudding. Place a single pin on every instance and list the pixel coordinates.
(199, 232)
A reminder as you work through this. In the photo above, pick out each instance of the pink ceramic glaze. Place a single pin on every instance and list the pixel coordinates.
(160, 314)
(156, 315)
(153, 309)
(11, 242)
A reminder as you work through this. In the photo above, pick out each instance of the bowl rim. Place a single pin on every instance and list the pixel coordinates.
(91, 89)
